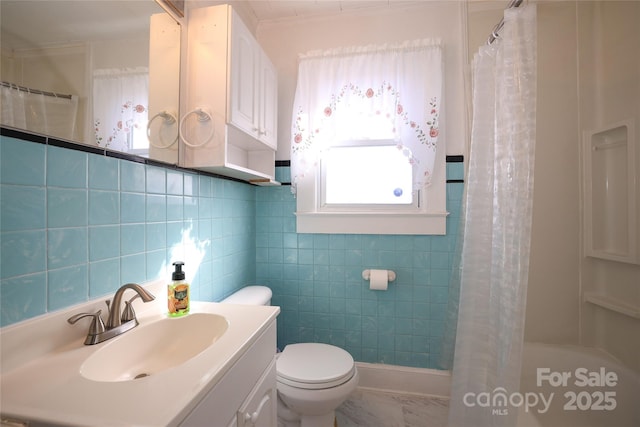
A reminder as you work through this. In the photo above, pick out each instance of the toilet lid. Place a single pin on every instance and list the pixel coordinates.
(314, 366)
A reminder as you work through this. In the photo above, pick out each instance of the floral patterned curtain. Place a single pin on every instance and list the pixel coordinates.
(120, 108)
(390, 92)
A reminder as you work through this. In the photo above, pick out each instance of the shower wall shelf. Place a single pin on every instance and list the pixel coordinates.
(610, 178)
(612, 304)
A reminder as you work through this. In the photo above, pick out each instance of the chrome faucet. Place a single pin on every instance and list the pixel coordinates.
(116, 323)
(114, 319)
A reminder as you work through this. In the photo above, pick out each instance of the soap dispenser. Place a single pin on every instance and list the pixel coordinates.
(178, 292)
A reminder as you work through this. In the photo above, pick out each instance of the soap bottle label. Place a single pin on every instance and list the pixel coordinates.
(178, 299)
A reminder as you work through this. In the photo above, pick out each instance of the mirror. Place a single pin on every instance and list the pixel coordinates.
(100, 73)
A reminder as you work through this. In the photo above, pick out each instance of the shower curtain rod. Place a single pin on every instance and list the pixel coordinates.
(494, 34)
(35, 91)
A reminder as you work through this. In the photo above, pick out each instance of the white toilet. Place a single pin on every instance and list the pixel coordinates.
(313, 378)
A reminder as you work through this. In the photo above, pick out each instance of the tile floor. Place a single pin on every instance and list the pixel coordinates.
(375, 408)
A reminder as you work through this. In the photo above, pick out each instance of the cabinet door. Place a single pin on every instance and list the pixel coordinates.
(243, 78)
(268, 102)
(259, 409)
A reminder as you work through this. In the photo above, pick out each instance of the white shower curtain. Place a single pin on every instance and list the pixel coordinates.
(48, 114)
(495, 252)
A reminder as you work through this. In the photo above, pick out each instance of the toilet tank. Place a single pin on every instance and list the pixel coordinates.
(250, 295)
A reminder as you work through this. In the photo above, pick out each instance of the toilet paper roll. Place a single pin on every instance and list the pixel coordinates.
(379, 280)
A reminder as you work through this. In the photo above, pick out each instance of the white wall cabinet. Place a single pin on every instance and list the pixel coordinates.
(253, 87)
(164, 67)
(230, 123)
(268, 101)
(246, 396)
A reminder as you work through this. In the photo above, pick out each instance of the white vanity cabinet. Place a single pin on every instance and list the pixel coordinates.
(246, 396)
(260, 408)
(229, 382)
(229, 125)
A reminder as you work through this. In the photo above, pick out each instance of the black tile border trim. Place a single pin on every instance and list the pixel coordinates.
(31, 137)
(42, 139)
(73, 146)
(455, 159)
(54, 142)
(449, 159)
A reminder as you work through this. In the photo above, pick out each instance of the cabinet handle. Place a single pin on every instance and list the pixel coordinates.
(203, 116)
(253, 418)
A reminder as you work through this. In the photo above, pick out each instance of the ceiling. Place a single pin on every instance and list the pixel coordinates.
(30, 23)
(34, 23)
(265, 10)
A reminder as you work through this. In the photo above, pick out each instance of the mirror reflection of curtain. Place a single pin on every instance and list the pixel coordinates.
(46, 113)
(120, 108)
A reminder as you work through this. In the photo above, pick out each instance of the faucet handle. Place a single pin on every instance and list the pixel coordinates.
(97, 325)
(128, 313)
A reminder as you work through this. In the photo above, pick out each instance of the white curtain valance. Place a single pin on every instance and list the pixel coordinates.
(387, 92)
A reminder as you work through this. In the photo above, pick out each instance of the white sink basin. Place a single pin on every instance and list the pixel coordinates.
(153, 348)
(45, 369)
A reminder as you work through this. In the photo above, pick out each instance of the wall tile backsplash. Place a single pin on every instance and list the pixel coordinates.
(77, 225)
(317, 282)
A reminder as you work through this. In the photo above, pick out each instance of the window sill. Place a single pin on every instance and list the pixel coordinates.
(433, 223)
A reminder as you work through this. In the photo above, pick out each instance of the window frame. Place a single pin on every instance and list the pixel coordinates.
(428, 219)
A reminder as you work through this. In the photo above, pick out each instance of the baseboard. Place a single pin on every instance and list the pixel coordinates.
(404, 379)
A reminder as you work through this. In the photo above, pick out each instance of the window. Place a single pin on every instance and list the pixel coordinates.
(366, 176)
(367, 154)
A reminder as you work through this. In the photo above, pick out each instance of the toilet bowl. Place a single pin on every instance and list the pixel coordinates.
(313, 379)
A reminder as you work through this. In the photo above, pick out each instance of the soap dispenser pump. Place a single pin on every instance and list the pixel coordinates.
(178, 292)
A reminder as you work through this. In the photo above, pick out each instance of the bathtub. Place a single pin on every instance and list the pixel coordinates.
(571, 386)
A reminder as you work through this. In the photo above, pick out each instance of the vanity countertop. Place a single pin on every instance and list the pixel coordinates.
(41, 380)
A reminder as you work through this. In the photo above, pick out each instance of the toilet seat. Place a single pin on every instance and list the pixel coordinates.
(314, 366)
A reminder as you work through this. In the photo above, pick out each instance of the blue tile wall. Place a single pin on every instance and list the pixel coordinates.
(75, 226)
(317, 282)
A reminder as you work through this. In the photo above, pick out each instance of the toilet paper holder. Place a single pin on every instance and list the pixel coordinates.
(366, 274)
